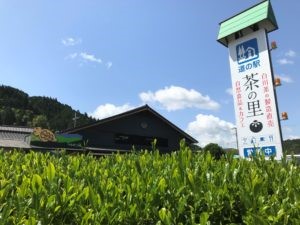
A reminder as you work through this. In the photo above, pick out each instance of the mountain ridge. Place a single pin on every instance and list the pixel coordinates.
(17, 108)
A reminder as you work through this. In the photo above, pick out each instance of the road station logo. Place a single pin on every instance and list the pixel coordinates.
(247, 51)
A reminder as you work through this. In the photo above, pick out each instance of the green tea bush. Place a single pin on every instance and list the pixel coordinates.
(147, 188)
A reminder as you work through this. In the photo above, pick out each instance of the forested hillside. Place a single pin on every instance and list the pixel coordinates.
(18, 108)
(292, 146)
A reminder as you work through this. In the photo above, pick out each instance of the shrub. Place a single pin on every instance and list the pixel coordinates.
(147, 188)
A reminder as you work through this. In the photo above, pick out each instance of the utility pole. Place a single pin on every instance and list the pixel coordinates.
(236, 137)
(75, 119)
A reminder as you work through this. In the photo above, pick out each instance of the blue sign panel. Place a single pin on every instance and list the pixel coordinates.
(266, 150)
(269, 150)
(249, 152)
(247, 51)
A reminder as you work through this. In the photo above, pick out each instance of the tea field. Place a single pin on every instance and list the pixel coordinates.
(146, 188)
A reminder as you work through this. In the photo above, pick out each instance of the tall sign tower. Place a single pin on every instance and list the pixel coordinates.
(256, 111)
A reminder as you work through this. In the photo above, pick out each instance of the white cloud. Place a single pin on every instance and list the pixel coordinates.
(107, 110)
(84, 57)
(108, 65)
(289, 133)
(174, 98)
(286, 78)
(70, 41)
(290, 53)
(291, 137)
(229, 91)
(89, 57)
(72, 56)
(210, 129)
(285, 61)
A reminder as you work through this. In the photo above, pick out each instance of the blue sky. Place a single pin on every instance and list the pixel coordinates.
(107, 56)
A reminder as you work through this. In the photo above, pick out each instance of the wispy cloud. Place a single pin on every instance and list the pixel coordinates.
(84, 56)
(174, 98)
(69, 41)
(285, 61)
(89, 57)
(229, 91)
(108, 65)
(290, 53)
(289, 133)
(286, 78)
(72, 56)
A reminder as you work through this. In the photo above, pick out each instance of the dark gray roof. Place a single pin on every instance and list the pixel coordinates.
(132, 112)
(16, 129)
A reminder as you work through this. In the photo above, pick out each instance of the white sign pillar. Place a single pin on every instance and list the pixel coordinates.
(256, 114)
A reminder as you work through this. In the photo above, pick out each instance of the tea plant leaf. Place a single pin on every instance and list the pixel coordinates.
(50, 171)
(204, 218)
(36, 183)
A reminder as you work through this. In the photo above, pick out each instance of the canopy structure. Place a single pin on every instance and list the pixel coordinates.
(260, 16)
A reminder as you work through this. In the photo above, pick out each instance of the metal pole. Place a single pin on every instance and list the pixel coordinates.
(236, 137)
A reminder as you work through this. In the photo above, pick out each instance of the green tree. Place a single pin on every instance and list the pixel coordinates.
(19, 116)
(195, 148)
(215, 150)
(12, 97)
(291, 146)
(40, 121)
(7, 116)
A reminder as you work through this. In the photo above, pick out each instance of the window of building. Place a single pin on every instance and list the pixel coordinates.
(129, 139)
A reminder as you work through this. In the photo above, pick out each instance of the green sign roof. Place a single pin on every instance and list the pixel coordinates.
(256, 17)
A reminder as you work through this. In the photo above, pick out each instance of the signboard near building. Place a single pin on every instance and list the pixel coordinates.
(257, 119)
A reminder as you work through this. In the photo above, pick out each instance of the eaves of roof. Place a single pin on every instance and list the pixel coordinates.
(129, 113)
(261, 13)
(16, 129)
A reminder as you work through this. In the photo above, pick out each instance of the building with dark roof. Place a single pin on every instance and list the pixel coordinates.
(138, 127)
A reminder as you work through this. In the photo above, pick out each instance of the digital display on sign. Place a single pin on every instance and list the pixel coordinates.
(254, 99)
